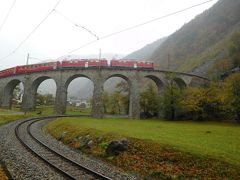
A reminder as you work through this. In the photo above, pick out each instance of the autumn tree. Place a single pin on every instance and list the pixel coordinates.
(169, 99)
(117, 102)
(231, 95)
(202, 103)
(234, 49)
(149, 100)
(219, 68)
(46, 99)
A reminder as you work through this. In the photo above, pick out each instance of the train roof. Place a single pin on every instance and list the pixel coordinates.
(137, 60)
(40, 63)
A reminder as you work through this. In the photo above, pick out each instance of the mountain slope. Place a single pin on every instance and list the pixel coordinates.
(190, 46)
(146, 52)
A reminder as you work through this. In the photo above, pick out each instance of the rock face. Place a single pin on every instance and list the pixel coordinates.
(116, 147)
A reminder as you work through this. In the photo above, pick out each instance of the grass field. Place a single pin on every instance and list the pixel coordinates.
(10, 115)
(49, 110)
(159, 149)
(218, 140)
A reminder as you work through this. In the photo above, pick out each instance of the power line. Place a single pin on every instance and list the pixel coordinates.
(138, 25)
(6, 17)
(30, 34)
(98, 38)
(75, 24)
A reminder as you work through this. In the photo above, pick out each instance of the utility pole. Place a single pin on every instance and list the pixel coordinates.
(100, 53)
(27, 59)
(25, 112)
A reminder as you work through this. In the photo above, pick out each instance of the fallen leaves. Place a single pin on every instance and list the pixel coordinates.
(150, 159)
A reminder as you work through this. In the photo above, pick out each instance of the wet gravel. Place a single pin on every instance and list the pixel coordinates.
(22, 164)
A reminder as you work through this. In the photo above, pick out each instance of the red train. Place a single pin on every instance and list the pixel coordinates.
(8, 72)
(123, 63)
(37, 67)
(84, 63)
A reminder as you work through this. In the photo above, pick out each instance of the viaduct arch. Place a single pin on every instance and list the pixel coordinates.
(63, 78)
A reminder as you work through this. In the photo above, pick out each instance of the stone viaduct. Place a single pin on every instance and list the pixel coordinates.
(63, 77)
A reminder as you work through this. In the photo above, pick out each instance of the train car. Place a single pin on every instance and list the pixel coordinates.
(124, 63)
(8, 72)
(97, 63)
(132, 64)
(84, 63)
(38, 67)
(145, 65)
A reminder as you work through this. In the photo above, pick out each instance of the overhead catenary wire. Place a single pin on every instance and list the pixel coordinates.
(7, 15)
(102, 37)
(137, 25)
(30, 34)
(76, 24)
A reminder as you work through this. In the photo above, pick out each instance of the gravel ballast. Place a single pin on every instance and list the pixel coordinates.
(22, 164)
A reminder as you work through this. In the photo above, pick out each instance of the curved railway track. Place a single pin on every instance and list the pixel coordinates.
(68, 168)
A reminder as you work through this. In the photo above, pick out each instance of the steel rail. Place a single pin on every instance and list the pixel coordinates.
(61, 171)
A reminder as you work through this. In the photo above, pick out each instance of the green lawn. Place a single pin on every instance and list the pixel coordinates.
(76, 110)
(8, 112)
(7, 115)
(218, 140)
(49, 110)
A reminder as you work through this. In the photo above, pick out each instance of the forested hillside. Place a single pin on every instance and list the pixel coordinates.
(147, 51)
(199, 44)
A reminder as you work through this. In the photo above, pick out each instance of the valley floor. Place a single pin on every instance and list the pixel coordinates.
(159, 148)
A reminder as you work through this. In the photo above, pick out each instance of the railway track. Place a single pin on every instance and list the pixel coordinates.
(63, 165)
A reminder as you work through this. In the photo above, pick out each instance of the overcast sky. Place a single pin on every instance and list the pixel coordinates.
(57, 36)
